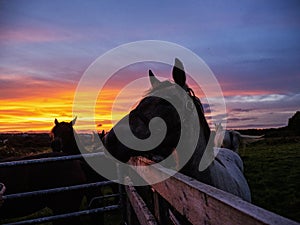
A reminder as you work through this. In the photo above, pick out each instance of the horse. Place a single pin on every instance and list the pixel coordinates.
(33, 177)
(224, 172)
(63, 140)
(232, 139)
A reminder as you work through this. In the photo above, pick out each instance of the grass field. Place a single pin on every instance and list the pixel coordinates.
(272, 168)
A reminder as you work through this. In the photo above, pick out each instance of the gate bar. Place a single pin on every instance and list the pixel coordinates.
(50, 159)
(67, 215)
(57, 190)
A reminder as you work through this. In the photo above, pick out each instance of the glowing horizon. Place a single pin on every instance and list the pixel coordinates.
(37, 113)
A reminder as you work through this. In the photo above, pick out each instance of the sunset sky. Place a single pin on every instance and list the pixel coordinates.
(252, 47)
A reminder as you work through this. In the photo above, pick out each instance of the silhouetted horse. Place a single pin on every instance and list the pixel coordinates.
(24, 178)
(63, 140)
(224, 172)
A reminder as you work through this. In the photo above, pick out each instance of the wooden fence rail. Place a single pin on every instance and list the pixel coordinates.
(200, 203)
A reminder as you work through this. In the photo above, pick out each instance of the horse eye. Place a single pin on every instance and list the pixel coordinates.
(189, 105)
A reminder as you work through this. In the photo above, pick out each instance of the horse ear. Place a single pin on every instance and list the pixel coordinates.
(178, 73)
(153, 80)
(56, 121)
(73, 121)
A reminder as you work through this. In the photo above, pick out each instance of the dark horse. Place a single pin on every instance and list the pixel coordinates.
(24, 178)
(64, 140)
(225, 171)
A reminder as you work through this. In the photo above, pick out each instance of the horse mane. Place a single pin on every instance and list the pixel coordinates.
(200, 112)
(161, 85)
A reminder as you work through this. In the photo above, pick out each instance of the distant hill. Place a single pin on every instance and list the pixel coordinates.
(294, 122)
(292, 129)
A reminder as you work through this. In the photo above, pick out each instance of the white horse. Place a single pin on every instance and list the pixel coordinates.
(232, 139)
(230, 162)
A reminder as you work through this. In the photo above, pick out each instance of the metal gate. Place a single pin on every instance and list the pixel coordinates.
(63, 189)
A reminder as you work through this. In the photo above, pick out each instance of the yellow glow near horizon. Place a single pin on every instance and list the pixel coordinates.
(37, 114)
(36, 111)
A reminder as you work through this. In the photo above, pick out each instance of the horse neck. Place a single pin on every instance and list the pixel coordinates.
(193, 163)
(204, 134)
(204, 141)
(203, 122)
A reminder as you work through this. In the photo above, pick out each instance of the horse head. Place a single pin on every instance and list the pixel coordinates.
(63, 139)
(173, 104)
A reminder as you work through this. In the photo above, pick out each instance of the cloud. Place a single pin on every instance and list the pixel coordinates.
(20, 86)
(255, 126)
(236, 119)
(261, 110)
(256, 98)
(240, 110)
(271, 101)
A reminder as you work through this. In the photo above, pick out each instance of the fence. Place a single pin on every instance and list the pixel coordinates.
(59, 190)
(177, 200)
(183, 200)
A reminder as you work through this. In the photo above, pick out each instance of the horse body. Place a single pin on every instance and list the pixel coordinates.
(24, 178)
(225, 172)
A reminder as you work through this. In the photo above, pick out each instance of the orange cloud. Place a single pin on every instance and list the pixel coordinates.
(33, 114)
(30, 104)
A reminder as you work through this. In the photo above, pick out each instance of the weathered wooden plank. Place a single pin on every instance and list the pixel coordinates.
(130, 214)
(203, 204)
(143, 214)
